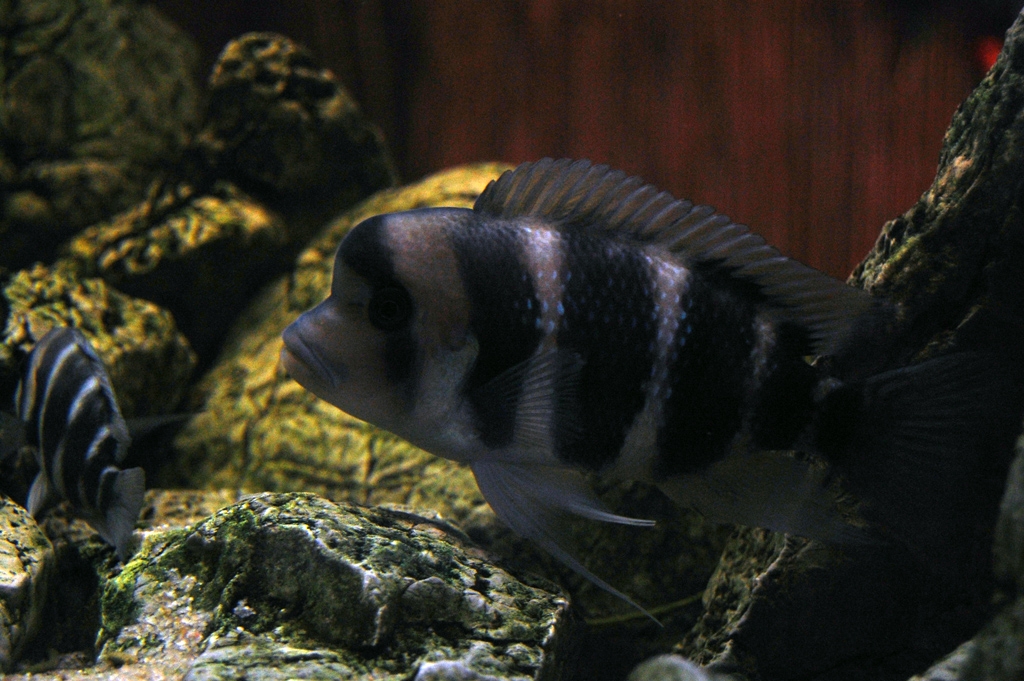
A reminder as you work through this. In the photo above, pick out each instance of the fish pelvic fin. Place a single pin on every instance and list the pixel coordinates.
(118, 521)
(41, 496)
(534, 502)
(913, 444)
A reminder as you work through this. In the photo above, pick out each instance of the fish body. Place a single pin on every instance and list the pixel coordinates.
(577, 321)
(72, 420)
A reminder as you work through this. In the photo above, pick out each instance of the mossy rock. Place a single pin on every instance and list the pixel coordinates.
(283, 128)
(200, 255)
(95, 97)
(26, 566)
(291, 585)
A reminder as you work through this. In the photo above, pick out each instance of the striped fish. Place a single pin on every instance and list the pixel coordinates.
(579, 321)
(72, 420)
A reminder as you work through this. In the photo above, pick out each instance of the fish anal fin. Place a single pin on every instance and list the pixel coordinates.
(774, 490)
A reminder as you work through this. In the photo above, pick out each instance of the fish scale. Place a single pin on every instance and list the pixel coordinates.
(617, 357)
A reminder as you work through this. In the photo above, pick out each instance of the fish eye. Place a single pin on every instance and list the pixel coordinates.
(389, 308)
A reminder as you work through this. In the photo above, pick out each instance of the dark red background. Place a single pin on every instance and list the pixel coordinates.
(813, 121)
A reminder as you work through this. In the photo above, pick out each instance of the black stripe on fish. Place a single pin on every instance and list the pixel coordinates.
(81, 419)
(102, 455)
(46, 359)
(601, 200)
(67, 377)
(709, 380)
(106, 496)
(88, 423)
(504, 317)
(784, 401)
(610, 320)
(366, 252)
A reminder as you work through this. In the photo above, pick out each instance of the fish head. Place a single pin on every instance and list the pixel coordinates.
(390, 344)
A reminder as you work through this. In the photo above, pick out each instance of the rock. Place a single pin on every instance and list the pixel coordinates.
(166, 509)
(293, 586)
(997, 652)
(95, 97)
(200, 255)
(671, 668)
(282, 127)
(148, 360)
(279, 126)
(785, 608)
(26, 565)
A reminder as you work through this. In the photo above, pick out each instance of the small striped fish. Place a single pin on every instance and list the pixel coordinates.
(577, 320)
(72, 420)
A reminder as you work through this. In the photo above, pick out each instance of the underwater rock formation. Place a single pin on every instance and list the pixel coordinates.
(218, 247)
(26, 567)
(293, 586)
(785, 608)
(289, 134)
(95, 97)
(997, 652)
(283, 128)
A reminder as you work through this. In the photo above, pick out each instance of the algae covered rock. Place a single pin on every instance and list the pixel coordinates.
(199, 255)
(294, 586)
(26, 566)
(282, 148)
(282, 127)
(148, 359)
(95, 96)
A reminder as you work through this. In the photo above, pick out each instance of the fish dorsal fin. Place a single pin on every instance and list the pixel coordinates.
(587, 196)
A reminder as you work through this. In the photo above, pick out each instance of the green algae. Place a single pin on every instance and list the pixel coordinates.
(294, 579)
(119, 605)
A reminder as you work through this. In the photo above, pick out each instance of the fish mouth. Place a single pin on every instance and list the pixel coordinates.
(303, 363)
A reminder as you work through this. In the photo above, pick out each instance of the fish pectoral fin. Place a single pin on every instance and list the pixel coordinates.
(118, 521)
(540, 395)
(774, 490)
(141, 426)
(535, 500)
(41, 497)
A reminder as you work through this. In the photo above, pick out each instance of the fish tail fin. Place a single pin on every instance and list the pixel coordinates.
(912, 444)
(118, 522)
